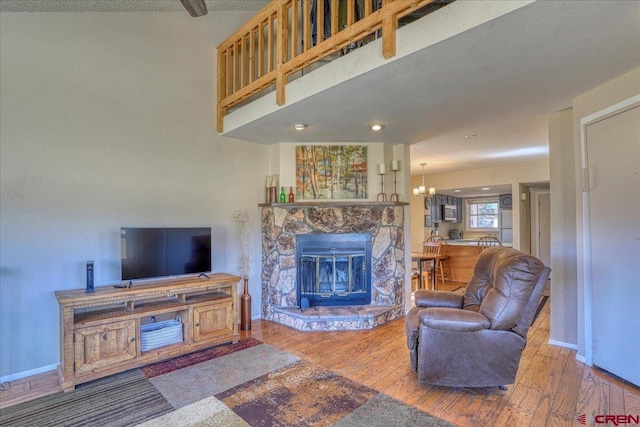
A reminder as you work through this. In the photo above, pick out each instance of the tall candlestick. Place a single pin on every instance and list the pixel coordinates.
(381, 169)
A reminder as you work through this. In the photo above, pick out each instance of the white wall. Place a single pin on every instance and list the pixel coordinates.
(108, 120)
(563, 231)
(617, 90)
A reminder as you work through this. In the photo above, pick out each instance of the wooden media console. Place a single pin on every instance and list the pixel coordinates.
(100, 331)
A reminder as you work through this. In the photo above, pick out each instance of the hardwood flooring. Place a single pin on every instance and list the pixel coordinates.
(551, 389)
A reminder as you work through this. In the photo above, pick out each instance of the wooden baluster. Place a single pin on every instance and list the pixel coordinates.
(306, 25)
(252, 59)
(319, 21)
(270, 44)
(235, 67)
(229, 66)
(243, 60)
(294, 28)
(260, 49)
(351, 4)
(335, 12)
(368, 7)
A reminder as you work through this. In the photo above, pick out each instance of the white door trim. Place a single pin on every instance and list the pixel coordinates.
(627, 104)
(535, 198)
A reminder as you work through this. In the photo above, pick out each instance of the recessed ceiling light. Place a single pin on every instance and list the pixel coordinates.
(300, 126)
(485, 188)
(376, 126)
(470, 136)
(457, 191)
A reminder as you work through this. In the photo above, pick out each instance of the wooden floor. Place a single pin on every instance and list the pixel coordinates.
(551, 389)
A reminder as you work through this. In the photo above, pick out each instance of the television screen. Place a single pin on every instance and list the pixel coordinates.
(160, 252)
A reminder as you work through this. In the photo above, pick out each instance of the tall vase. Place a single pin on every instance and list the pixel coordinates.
(245, 308)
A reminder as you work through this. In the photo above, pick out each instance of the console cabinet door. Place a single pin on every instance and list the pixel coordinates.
(213, 321)
(100, 347)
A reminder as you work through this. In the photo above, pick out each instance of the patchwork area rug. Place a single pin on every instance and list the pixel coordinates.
(248, 383)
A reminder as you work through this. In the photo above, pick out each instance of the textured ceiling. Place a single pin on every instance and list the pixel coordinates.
(122, 5)
(497, 81)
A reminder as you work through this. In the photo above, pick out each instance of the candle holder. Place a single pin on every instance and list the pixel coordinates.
(381, 193)
(395, 196)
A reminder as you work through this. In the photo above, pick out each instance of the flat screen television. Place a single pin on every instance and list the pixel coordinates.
(163, 252)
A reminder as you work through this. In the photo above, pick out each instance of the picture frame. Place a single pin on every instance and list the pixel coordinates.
(427, 221)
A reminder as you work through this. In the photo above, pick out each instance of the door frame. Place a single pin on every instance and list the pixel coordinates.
(534, 195)
(603, 114)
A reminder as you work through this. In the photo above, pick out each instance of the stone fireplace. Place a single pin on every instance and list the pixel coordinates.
(381, 224)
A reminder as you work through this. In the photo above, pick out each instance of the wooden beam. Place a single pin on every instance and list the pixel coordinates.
(281, 81)
(220, 119)
(389, 27)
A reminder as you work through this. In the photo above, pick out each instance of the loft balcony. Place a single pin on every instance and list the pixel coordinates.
(434, 68)
(288, 36)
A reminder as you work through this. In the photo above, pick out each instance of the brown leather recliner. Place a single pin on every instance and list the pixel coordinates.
(476, 339)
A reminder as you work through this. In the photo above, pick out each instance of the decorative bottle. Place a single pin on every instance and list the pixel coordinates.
(274, 189)
(291, 196)
(245, 308)
(283, 196)
(267, 189)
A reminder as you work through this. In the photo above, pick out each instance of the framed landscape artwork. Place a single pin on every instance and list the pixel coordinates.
(331, 172)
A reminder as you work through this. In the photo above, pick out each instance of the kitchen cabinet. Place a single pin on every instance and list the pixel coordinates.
(437, 208)
(459, 210)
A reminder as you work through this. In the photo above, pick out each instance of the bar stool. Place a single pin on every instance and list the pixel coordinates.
(487, 242)
(441, 265)
(434, 251)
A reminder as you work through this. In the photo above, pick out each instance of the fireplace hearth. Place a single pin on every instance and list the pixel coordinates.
(333, 269)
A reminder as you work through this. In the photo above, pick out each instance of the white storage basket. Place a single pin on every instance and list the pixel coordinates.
(159, 334)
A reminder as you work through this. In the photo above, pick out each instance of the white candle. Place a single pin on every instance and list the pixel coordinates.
(381, 168)
(394, 165)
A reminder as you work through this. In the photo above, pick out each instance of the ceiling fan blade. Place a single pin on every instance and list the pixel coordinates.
(195, 7)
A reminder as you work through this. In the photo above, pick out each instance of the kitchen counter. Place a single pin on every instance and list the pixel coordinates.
(471, 242)
(461, 258)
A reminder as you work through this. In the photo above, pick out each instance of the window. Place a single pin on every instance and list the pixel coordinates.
(483, 214)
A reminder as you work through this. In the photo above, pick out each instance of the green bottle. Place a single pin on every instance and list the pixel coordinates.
(283, 196)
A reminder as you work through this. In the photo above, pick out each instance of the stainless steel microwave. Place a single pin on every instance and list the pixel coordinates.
(449, 213)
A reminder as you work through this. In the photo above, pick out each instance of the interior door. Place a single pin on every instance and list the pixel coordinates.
(613, 159)
(544, 228)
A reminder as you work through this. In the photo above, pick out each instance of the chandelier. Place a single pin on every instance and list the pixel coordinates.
(421, 191)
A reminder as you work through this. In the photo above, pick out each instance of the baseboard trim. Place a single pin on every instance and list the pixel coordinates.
(581, 359)
(563, 344)
(25, 374)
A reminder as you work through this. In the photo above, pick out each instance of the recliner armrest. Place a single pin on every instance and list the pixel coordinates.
(427, 298)
(453, 320)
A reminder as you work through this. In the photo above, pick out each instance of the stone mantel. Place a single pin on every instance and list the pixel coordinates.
(333, 203)
(384, 221)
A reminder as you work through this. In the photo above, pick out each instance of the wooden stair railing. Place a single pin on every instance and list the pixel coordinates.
(267, 49)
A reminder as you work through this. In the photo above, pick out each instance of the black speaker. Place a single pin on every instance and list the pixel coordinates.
(90, 276)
